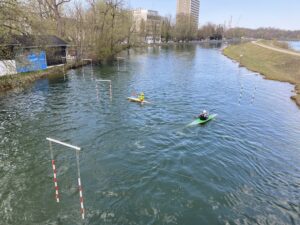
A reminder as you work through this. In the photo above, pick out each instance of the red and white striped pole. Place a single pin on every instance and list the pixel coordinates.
(54, 173)
(55, 181)
(81, 198)
(79, 186)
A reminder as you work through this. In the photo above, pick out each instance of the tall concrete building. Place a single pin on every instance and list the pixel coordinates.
(189, 8)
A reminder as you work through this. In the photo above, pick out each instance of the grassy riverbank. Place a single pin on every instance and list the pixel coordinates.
(22, 80)
(271, 63)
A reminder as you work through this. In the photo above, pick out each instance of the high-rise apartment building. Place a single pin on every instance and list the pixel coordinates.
(189, 8)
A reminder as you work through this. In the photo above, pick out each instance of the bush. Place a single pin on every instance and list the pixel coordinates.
(281, 44)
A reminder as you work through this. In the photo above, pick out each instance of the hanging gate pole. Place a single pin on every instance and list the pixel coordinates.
(54, 173)
(118, 59)
(79, 186)
(110, 87)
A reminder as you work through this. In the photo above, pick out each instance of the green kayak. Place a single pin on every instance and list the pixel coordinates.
(198, 121)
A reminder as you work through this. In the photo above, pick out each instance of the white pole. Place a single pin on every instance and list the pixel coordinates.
(103, 80)
(97, 92)
(110, 91)
(63, 143)
(82, 67)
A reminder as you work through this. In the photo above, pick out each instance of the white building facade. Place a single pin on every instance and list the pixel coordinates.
(148, 25)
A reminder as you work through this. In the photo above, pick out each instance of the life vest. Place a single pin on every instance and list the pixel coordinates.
(142, 97)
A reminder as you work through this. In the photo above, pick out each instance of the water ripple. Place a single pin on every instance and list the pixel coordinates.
(142, 164)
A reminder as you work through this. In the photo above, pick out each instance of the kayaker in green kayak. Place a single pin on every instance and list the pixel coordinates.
(204, 115)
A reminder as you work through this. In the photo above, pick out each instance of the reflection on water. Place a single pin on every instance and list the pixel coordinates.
(141, 164)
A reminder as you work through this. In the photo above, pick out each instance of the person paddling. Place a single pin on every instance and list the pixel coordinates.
(204, 115)
(141, 96)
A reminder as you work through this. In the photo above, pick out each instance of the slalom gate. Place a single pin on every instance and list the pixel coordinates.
(124, 62)
(110, 87)
(77, 151)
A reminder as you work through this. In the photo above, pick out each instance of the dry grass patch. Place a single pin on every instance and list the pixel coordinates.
(273, 65)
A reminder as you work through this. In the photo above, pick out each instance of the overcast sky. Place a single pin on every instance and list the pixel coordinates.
(283, 14)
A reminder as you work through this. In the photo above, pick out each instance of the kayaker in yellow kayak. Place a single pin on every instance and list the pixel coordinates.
(141, 96)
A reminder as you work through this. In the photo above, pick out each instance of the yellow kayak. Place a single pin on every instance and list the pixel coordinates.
(134, 99)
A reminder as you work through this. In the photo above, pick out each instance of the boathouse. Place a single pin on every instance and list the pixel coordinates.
(25, 53)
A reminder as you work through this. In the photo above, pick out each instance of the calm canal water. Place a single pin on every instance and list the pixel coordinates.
(141, 164)
(295, 45)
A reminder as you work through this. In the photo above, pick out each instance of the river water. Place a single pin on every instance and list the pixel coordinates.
(142, 164)
(294, 45)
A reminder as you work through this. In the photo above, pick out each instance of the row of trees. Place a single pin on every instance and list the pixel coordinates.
(184, 29)
(210, 31)
(102, 28)
(263, 33)
(99, 28)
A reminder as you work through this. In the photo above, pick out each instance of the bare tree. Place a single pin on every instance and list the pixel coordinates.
(166, 28)
(12, 18)
(101, 29)
(53, 9)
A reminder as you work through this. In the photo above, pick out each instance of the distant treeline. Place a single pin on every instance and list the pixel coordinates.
(217, 32)
(264, 33)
